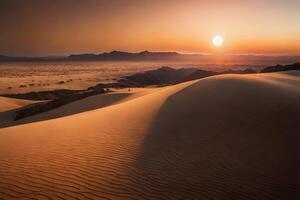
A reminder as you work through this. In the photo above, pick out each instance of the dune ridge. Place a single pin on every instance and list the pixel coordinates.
(223, 137)
(84, 105)
(11, 103)
(8, 107)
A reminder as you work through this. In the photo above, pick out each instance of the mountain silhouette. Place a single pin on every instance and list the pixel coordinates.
(120, 55)
(279, 68)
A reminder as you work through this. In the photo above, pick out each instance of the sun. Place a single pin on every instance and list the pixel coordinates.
(217, 40)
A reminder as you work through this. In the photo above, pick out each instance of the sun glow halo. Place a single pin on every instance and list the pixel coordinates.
(217, 41)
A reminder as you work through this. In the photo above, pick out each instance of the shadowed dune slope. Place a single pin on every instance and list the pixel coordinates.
(83, 105)
(8, 106)
(224, 137)
(10, 103)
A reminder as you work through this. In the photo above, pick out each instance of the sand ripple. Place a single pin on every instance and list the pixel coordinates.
(228, 137)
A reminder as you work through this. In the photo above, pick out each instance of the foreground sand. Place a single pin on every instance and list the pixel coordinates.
(224, 137)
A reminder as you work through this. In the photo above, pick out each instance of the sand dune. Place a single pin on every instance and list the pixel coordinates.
(87, 104)
(8, 106)
(224, 137)
(10, 103)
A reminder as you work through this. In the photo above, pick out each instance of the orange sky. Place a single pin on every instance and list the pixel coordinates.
(52, 27)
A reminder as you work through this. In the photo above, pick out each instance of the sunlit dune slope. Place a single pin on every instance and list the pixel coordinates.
(85, 105)
(223, 137)
(8, 106)
(10, 103)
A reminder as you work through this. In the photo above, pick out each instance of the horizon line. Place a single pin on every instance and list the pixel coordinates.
(168, 51)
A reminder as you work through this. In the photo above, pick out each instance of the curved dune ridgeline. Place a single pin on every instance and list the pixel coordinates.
(8, 107)
(10, 103)
(223, 137)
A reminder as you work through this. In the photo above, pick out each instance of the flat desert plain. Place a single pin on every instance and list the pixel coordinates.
(22, 77)
(223, 137)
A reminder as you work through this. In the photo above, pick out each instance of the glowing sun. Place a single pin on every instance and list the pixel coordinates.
(217, 40)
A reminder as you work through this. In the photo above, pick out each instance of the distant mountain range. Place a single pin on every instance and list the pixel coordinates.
(111, 56)
(120, 55)
(279, 68)
(143, 56)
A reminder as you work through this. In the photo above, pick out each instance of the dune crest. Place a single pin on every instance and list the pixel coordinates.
(224, 137)
(8, 106)
(10, 103)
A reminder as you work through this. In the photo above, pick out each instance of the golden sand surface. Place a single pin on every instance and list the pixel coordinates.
(223, 137)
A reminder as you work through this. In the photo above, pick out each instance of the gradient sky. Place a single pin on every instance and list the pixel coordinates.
(61, 27)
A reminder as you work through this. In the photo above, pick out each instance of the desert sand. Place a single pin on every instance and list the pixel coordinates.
(223, 137)
(116, 96)
(8, 106)
(10, 103)
(22, 77)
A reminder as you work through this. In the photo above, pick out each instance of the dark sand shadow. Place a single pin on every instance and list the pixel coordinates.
(7, 117)
(83, 105)
(225, 139)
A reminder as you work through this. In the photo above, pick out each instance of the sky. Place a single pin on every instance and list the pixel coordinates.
(62, 27)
